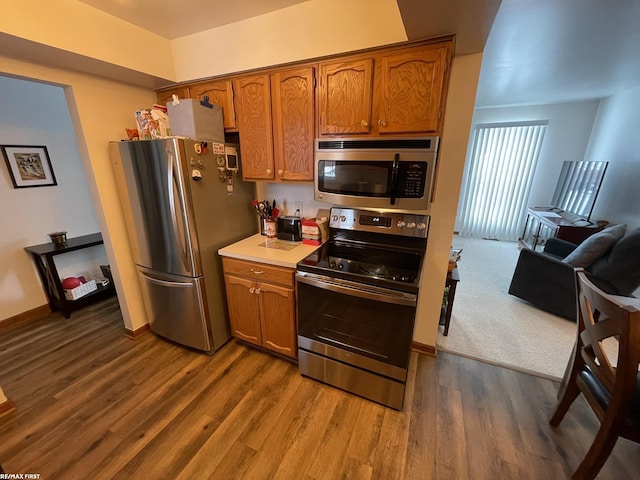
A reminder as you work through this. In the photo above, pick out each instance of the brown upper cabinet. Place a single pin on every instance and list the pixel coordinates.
(275, 115)
(346, 89)
(165, 96)
(292, 100)
(220, 92)
(253, 111)
(399, 91)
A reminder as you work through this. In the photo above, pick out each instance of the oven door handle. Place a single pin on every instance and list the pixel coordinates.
(357, 289)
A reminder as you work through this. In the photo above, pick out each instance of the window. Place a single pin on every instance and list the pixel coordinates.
(497, 180)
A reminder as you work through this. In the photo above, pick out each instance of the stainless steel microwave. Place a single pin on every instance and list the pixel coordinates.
(386, 173)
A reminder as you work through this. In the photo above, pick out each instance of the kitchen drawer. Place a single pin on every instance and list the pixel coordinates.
(259, 271)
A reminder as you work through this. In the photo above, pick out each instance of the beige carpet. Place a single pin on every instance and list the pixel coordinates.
(489, 324)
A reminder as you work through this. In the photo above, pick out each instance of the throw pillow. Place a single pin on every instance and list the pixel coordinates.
(595, 246)
(622, 267)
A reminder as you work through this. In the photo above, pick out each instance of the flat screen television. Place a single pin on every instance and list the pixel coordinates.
(578, 186)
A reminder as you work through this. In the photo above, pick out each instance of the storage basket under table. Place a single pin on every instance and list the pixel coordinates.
(81, 290)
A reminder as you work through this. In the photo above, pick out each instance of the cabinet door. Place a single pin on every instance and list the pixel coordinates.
(277, 307)
(411, 83)
(165, 96)
(244, 309)
(253, 114)
(220, 92)
(293, 123)
(345, 97)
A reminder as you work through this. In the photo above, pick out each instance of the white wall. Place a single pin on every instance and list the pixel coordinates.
(566, 138)
(307, 30)
(99, 110)
(72, 26)
(37, 114)
(465, 71)
(287, 195)
(615, 138)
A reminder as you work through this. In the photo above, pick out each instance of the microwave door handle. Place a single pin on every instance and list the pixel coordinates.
(394, 178)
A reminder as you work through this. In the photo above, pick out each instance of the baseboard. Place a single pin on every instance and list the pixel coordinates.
(6, 407)
(137, 332)
(423, 348)
(33, 314)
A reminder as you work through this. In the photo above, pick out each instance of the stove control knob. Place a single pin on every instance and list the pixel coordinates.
(422, 226)
(401, 224)
(332, 264)
(411, 225)
(343, 218)
(340, 266)
(334, 218)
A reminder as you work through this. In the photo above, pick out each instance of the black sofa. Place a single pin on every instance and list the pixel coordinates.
(546, 279)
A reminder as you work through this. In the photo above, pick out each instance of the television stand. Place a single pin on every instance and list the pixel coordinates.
(546, 222)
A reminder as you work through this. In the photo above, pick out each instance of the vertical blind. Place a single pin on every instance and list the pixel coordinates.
(497, 180)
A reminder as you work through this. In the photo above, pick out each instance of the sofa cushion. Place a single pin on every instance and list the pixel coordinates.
(595, 246)
(622, 267)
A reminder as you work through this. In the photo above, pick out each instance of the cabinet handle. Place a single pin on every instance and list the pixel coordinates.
(257, 272)
(268, 170)
(364, 123)
(275, 345)
(248, 337)
(252, 290)
(382, 122)
(280, 172)
(258, 291)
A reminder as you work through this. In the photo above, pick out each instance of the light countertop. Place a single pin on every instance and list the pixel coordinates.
(259, 248)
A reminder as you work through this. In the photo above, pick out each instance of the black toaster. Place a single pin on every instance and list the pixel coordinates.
(290, 228)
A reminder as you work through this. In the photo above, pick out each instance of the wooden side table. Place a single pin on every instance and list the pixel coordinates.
(43, 257)
(453, 277)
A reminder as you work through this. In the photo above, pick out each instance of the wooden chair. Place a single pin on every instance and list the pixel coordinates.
(612, 391)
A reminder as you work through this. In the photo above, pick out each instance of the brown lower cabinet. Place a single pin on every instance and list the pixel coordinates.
(261, 303)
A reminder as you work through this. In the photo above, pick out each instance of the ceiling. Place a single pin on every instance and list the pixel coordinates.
(550, 51)
(543, 51)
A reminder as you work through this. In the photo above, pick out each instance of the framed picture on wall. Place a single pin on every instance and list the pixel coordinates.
(28, 165)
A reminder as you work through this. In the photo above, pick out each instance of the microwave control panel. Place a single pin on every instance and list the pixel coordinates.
(412, 177)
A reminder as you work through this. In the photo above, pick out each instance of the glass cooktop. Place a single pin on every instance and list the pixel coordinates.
(385, 267)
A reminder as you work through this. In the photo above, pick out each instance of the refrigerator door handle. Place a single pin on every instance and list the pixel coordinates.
(179, 228)
(165, 283)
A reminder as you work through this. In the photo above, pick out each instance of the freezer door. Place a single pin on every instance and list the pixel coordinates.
(176, 308)
(158, 203)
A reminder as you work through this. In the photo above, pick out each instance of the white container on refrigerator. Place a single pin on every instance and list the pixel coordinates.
(190, 119)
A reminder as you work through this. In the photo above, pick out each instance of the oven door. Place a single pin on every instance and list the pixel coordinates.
(365, 326)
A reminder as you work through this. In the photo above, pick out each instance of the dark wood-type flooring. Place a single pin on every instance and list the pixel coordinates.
(93, 404)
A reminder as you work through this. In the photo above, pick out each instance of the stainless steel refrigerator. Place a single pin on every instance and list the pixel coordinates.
(179, 211)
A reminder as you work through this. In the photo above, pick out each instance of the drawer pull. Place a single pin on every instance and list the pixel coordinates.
(257, 291)
(257, 272)
(252, 290)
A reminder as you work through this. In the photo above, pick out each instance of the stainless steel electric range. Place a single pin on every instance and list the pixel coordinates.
(357, 299)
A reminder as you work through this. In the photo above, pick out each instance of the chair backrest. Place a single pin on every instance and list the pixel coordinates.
(600, 317)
